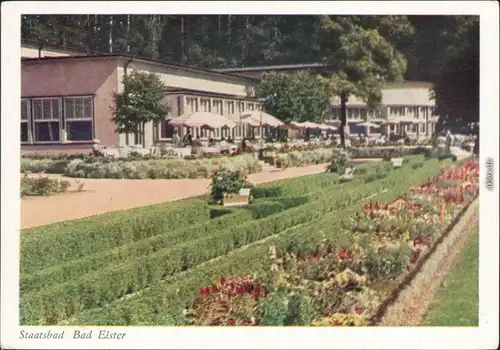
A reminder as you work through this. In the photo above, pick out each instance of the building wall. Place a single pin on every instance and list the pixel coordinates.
(235, 88)
(64, 80)
(182, 78)
(409, 102)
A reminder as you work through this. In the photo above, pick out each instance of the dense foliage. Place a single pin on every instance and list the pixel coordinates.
(297, 97)
(143, 100)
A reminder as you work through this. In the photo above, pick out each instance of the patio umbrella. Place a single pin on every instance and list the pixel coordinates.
(369, 125)
(203, 119)
(308, 125)
(249, 121)
(266, 118)
(328, 127)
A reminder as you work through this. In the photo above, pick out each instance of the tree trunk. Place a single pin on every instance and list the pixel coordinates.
(110, 34)
(343, 117)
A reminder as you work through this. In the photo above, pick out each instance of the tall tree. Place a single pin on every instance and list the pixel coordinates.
(361, 60)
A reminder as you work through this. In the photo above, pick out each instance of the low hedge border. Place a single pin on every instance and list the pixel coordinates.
(61, 242)
(163, 303)
(92, 290)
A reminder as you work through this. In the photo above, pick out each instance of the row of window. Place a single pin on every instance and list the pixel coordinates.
(55, 119)
(167, 130)
(195, 104)
(357, 113)
(356, 129)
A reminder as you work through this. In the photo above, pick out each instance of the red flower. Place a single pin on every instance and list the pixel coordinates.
(222, 281)
(359, 309)
(246, 322)
(337, 323)
(231, 322)
(233, 286)
(202, 290)
(214, 288)
(258, 288)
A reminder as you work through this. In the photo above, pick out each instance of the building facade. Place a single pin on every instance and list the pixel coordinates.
(67, 100)
(408, 105)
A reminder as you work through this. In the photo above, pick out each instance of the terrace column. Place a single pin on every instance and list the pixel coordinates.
(147, 139)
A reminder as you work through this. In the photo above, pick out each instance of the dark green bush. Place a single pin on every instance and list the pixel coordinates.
(338, 164)
(226, 181)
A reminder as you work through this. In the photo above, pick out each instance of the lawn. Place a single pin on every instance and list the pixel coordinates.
(457, 301)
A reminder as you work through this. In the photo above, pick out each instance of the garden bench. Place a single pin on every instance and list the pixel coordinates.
(397, 162)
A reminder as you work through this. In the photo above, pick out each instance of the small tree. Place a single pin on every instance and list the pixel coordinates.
(143, 100)
(297, 97)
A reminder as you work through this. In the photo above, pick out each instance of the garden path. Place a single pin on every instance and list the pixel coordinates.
(105, 195)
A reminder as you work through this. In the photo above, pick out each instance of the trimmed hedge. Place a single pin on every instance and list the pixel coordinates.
(163, 303)
(49, 245)
(386, 152)
(74, 269)
(275, 205)
(104, 286)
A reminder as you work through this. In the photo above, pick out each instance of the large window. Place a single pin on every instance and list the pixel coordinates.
(46, 119)
(79, 115)
(205, 105)
(217, 104)
(25, 121)
(192, 104)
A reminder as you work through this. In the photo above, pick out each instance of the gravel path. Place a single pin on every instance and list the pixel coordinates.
(105, 195)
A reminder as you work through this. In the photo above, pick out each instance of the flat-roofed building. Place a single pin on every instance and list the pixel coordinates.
(67, 100)
(408, 104)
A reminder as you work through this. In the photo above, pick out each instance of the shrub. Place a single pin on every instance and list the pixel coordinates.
(305, 157)
(43, 165)
(42, 186)
(338, 164)
(227, 181)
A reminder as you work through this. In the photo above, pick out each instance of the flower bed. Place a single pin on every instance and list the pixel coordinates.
(302, 158)
(341, 282)
(162, 304)
(167, 168)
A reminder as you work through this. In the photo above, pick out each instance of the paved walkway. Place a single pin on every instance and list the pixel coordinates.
(104, 195)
